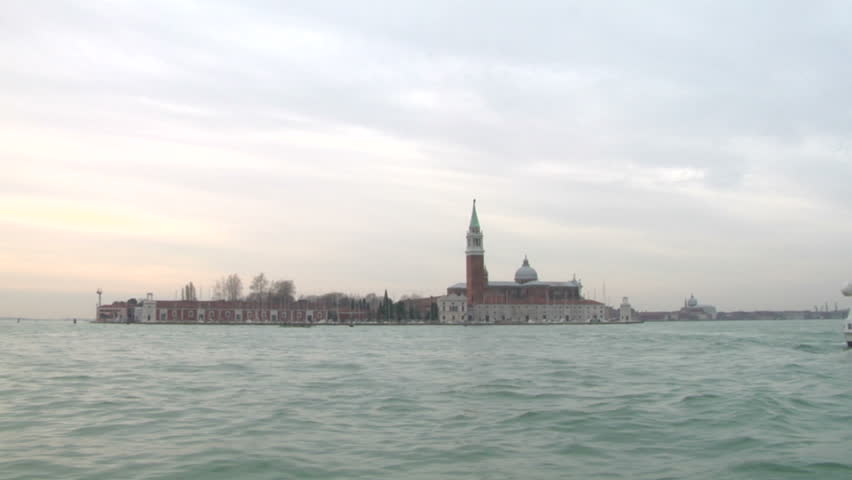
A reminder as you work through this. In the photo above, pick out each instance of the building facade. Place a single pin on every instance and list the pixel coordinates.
(524, 300)
(692, 310)
(222, 312)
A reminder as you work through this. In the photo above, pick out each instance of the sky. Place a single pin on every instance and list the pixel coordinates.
(654, 149)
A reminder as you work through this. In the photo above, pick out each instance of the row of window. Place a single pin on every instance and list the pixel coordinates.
(163, 317)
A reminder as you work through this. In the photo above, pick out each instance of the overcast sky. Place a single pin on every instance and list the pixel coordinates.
(661, 148)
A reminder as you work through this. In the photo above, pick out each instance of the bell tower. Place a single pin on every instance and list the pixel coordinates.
(477, 276)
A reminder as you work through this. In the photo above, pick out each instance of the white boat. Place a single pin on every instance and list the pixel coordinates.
(847, 324)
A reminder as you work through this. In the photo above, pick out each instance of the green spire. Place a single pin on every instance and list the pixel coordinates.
(474, 219)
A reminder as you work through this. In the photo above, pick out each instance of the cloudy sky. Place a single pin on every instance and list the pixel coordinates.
(661, 148)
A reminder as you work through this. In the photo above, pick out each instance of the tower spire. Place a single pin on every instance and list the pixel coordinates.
(474, 234)
(477, 275)
(474, 219)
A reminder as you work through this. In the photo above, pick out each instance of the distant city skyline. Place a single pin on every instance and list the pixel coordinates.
(661, 148)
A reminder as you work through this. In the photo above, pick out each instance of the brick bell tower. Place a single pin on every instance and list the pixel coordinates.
(477, 275)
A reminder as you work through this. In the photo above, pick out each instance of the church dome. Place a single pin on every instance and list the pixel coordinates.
(692, 303)
(847, 289)
(526, 273)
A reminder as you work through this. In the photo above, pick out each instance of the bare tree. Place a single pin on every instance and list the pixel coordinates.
(373, 302)
(188, 292)
(233, 288)
(281, 292)
(219, 289)
(258, 288)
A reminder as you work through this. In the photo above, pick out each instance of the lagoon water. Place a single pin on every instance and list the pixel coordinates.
(714, 400)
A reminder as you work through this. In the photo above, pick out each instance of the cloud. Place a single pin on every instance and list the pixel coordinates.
(663, 138)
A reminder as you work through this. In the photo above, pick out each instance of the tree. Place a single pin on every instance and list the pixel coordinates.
(233, 288)
(258, 288)
(281, 292)
(188, 292)
(372, 302)
(219, 289)
(387, 306)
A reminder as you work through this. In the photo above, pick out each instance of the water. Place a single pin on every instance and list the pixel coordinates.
(723, 400)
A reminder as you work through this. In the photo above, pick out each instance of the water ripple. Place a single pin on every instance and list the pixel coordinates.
(726, 400)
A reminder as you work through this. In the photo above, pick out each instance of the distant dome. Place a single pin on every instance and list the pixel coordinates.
(847, 289)
(692, 303)
(526, 273)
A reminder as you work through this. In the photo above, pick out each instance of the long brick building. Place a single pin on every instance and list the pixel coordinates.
(218, 311)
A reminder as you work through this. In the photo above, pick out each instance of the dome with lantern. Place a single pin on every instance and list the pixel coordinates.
(692, 302)
(526, 273)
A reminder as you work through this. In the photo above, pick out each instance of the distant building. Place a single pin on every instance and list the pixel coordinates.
(220, 311)
(418, 308)
(626, 313)
(524, 300)
(692, 310)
